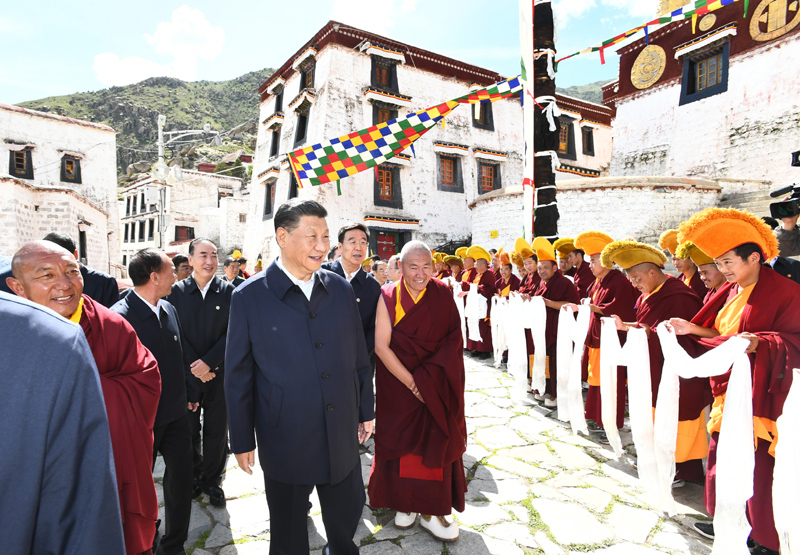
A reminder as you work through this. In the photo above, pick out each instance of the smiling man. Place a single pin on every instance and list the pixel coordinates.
(298, 378)
(419, 384)
(49, 275)
(203, 302)
(710, 275)
(762, 306)
(353, 246)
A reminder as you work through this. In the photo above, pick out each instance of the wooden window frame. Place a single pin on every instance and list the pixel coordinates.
(73, 176)
(457, 176)
(487, 117)
(378, 108)
(304, 117)
(189, 233)
(384, 66)
(570, 152)
(26, 157)
(307, 75)
(269, 198)
(495, 177)
(587, 140)
(395, 191)
(690, 91)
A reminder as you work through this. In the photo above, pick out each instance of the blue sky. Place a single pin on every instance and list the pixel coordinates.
(50, 48)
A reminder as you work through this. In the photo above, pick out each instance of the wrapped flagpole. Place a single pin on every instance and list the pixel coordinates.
(526, 37)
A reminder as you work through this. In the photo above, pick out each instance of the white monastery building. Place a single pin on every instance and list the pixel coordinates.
(168, 217)
(59, 174)
(344, 79)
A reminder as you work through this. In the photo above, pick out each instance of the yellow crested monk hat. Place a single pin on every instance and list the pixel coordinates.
(564, 246)
(544, 249)
(716, 231)
(477, 252)
(592, 242)
(461, 252)
(516, 258)
(450, 260)
(523, 248)
(690, 250)
(669, 241)
(438, 258)
(627, 254)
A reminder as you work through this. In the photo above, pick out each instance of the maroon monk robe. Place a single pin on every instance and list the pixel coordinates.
(570, 272)
(496, 272)
(558, 289)
(458, 274)
(469, 275)
(584, 278)
(444, 274)
(428, 342)
(771, 313)
(696, 284)
(707, 297)
(131, 388)
(485, 285)
(528, 286)
(613, 295)
(674, 299)
(513, 284)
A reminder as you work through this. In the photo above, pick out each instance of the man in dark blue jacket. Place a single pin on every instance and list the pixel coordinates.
(353, 246)
(203, 302)
(156, 324)
(298, 378)
(58, 490)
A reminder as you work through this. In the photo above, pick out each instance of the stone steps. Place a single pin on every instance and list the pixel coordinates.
(756, 202)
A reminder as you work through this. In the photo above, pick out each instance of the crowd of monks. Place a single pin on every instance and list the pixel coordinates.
(725, 287)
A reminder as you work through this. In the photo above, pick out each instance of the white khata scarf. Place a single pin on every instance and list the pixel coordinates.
(786, 479)
(569, 347)
(499, 310)
(475, 311)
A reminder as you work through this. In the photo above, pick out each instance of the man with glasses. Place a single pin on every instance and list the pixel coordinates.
(353, 246)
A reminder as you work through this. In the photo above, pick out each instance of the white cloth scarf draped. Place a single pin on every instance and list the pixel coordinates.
(610, 358)
(535, 319)
(459, 305)
(786, 477)
(569, 346)
(517, 348)
(735, 452)
(475, 311)
(499, 310)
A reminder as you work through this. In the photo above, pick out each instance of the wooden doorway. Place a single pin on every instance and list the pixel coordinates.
(388, 243)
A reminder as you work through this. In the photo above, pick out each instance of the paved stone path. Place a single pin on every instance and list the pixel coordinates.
(534, 488)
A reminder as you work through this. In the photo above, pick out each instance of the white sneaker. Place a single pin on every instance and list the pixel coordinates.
(404, 521)
(439, 528)
(550, 402)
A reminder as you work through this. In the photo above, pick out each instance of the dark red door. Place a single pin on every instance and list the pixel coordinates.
(387, 245)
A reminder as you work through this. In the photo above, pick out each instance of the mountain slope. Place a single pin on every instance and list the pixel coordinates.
(593, 92)
(132, 109)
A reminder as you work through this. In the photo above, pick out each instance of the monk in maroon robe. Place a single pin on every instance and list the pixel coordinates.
(556, 290)
(484, 281)
(583, 276)
(508, 282)
(49, 275)
(419, 382)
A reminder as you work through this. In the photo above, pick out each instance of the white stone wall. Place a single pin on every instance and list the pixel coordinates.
(641, 208)
(30, 213)
(340, 107)
(745, 134)
(51, 135)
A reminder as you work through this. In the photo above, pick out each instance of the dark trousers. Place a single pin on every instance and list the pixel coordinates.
(174, 442)
(341, 503)
(209, 463)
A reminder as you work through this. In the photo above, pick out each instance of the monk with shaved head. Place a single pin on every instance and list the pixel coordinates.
(49, 275)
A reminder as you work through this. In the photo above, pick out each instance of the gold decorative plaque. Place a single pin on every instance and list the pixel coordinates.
(648, 66)
(773, 19)
(707, 22)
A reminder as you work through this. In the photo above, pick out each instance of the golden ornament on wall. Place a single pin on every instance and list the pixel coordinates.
(648, 66)
(707, 22)
(774, 18)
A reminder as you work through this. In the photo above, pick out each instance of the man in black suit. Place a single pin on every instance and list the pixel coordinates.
(232, 276)
(353, 246)
(156, 324)
(98, 285)
(203, 302)
(298, 378)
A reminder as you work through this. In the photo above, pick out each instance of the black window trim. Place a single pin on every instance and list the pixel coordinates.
(298, 140)
(28, 173)
(588, 150)
(392, 65)
(77, 173)
(383, 106)
(267, 214)
(488, 124)
(397, 194)
(497, 180)
(458, 174)
(570, 154)
(688, 77)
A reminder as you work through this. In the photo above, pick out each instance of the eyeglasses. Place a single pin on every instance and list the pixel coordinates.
(354, 243)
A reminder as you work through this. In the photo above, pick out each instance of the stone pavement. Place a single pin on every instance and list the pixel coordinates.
(534, 488)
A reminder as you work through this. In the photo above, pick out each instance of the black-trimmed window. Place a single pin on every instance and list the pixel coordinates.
(587, 139)
(184, 233)
(269, 198)
(293, 186)
(301, 129)
(705, 73)
(127, 229)
(382, 113)
(274, 146)
(20, 163)
(448, 171)
(71, 169)
(141, 231)
(151, 229)
(307, 75)
(128, 206)
(134, 203)
(279, 99)
(488, 177)
(483, 119)
(384, 74)
(566, 138)
(387, 186)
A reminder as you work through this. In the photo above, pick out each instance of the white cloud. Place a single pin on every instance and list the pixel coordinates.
(645, 9)
(565, 10)
(639, 9)
(375, 16)
(187, 38)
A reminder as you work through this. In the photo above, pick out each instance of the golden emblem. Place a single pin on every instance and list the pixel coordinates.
(707, 22)
(774, 18)
(648, 66)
